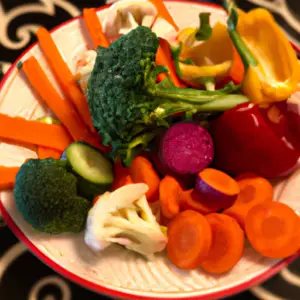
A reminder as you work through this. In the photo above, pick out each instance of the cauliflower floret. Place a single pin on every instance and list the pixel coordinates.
(124, 217)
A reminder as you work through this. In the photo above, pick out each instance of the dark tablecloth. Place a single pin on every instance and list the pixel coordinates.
(22, 276)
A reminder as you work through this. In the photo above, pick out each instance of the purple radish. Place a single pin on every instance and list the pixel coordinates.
(186, 149)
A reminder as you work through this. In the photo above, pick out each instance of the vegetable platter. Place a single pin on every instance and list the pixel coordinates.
(150, 149)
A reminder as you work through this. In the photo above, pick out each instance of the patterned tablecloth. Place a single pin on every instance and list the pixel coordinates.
(22, 276)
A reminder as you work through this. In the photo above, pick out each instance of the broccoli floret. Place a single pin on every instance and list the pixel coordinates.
(123, 94)
(46, 195)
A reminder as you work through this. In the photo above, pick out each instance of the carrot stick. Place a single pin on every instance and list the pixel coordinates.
(273, 229)
(191, 200)
(164, 58)
(33, 132)
(94, 28)
(44, 152)
(169, 196)
(253, 190)
(122, 176)
(7, 177)
(142, 171)
(227, 244)
(189, 240)
(64, 76)
(164, 13)
(59, 106)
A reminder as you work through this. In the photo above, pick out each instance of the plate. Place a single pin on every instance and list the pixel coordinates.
(116, 271)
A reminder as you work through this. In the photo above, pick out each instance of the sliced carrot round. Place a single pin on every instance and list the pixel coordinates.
(189, 240)
(253, 190)
(142, 171)
(169, 193)
(272, 229)
(191, 200)
(227, 244)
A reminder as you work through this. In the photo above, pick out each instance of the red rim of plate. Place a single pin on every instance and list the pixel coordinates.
(108, 291)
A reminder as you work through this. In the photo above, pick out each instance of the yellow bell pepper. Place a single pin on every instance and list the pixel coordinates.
(211, 58)
(272, 69)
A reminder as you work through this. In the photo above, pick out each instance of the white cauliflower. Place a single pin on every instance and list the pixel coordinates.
(124, 217)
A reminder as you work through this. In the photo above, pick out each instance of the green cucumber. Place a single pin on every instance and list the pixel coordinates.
(89, 163)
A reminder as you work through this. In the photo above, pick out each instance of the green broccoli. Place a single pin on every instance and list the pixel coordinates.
(126, 102)
(46, 195)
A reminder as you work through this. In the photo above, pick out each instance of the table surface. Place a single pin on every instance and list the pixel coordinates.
(22, 276)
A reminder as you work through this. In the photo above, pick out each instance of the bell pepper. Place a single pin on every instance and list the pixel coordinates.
(214, 57)
(272, 69)
(245, 142)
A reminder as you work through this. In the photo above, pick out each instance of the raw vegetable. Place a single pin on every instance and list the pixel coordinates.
(124, 98)
(273, 229)
(189, 240)
(94, 170)
(124, 217)
(121, 176)
(192, 200)
(94, 27)
(227, 244)
(64, 76)
(169, 196)
(59, 106)
(253, 190)
(217, 187)
(164, 13)
(8, 177)
(267, 79)
(142, 171)
(34, 132)
(245, 143)
(44, 152)
(164, 58)
(186, 148)
(46, 196)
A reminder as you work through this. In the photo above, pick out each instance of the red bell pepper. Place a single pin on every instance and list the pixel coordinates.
(245, 142)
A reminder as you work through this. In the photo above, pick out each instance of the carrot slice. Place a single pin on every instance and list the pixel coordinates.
(94, 28)
(59, 106)
(44, 152)
(64, 76)
(164, 58)
(191, 200)
(8, 177)
(142, 171)
(189, 240)
(33, 132)
(273, 229)
(227, 244)
(164, 13)
(169, 196)
(253, 190)
(122, 176)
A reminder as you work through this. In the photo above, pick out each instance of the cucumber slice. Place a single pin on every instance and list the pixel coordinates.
(89, 163)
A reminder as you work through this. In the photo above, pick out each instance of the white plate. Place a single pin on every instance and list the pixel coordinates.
(116, 271)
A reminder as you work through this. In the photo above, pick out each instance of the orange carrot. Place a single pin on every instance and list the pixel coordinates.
(33, 132)
(227, 244)
(122, 176)
(273, 229)
(44, 152)
(59, 106)
(7, 177)
(189, 240)
(191, 200)
(94, 28)
(237, 70)
(64, 76)
(164, 13)
(142, 171)
(169, 196)
(164, 58)
(253, 190)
